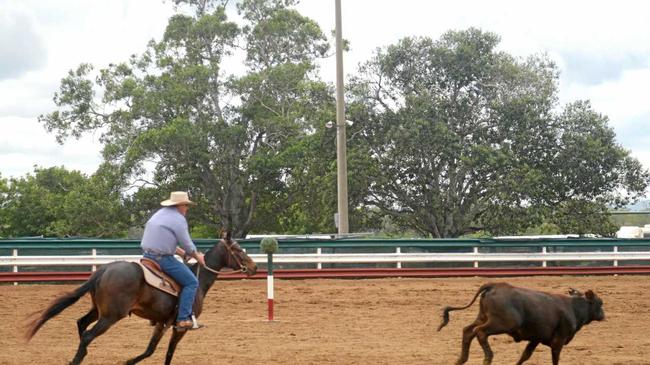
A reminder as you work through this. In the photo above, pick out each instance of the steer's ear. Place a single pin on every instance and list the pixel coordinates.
(574, 292)
(590, 294)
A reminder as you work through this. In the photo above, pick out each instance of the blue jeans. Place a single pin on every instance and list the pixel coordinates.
(183, 276)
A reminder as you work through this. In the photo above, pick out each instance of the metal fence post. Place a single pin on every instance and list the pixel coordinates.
(544, 253)
(398, 250)
(319, 251)
(94, 253)
(476, 253)
(615, 251)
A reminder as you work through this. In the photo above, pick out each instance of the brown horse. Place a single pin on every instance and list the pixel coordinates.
(118, 289)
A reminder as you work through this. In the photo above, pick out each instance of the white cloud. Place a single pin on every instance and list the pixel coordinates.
(21, 47)
(622, 100)
(29, 145)
(74, 31)
(28, 96)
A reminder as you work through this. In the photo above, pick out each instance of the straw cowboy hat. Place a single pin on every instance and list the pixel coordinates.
(176, 198)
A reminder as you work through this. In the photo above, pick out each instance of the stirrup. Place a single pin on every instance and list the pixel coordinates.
(188, 325)
(181, 326)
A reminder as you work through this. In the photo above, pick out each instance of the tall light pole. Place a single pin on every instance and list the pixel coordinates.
(341, 154)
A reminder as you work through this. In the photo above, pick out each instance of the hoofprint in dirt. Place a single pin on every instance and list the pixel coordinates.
(367, 321)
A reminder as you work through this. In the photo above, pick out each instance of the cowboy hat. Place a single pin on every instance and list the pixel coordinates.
(176, 198)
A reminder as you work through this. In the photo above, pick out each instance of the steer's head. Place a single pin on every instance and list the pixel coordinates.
(596, 312)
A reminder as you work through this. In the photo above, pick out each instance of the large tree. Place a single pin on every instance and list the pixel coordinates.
(463, 136)
(175, 111)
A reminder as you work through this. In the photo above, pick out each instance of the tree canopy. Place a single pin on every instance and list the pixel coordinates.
(450, 136)
(219, 135)
(464, 137)
(57, 202)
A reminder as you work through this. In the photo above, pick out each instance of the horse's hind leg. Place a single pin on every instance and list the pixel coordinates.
(87, 336)
(158, 333)
(85, 321)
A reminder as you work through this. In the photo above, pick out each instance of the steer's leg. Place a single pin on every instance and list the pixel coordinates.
(468, 336)
(556, 348)
(555, 352)
(482, 338)
(487, 329)
(527, 352)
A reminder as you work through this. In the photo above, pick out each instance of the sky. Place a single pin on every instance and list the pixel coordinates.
(602, 49)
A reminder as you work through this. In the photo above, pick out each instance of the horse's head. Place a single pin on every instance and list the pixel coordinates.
(229, 254)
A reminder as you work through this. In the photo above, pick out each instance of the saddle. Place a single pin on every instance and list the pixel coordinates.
(154, 276)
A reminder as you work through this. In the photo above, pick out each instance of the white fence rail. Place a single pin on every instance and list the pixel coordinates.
(318, 258)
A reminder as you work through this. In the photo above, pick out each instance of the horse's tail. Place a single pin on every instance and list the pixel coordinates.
(64, 301)
(446, 310)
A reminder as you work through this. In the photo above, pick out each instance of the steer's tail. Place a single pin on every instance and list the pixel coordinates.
(446, 310)
(64, 301)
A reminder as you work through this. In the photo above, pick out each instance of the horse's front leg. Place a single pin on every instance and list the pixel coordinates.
(158, 333)
(176, 338)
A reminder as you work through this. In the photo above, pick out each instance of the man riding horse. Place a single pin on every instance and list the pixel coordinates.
(164, 231)
(119, 288)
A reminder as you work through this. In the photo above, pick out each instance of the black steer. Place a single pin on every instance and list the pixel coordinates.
(527, 315)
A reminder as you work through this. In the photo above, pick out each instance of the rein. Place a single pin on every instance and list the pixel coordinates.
(232, 255)
(222, 272)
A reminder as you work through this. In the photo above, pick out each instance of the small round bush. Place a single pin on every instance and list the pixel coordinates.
(269, 245)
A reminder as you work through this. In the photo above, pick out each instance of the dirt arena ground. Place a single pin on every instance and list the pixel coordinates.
(369, 321)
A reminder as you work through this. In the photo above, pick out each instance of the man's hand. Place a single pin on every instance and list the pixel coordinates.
(180, 252)
(199, 257)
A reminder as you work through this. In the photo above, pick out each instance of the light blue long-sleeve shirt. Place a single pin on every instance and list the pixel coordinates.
(164, 230)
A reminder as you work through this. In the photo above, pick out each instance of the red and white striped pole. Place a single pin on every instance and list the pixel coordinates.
(269, 245)
(269, 284)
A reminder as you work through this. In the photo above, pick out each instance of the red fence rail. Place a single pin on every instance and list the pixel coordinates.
(61, 276)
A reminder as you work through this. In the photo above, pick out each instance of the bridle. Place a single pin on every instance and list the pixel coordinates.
(231, 256)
